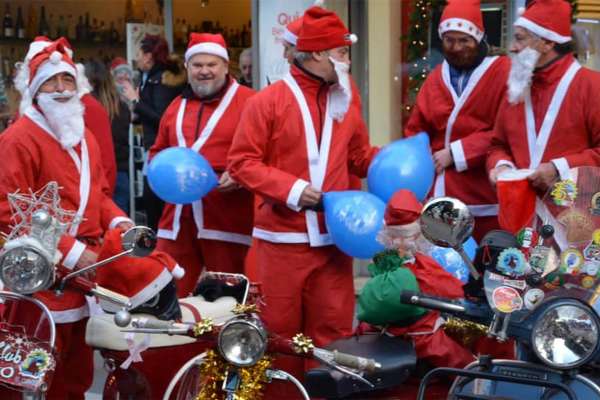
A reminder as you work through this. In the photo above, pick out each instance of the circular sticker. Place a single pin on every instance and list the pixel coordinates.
(591, 268)
(587, 281)
(507, 299)
(533, 298)
(512, 262)
(571, 261)
(564, 193)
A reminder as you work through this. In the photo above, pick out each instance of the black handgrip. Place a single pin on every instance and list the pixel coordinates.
(419, 299)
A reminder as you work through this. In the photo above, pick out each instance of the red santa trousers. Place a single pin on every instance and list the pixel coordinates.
(75, 366)
(194, 254)
(305, 289)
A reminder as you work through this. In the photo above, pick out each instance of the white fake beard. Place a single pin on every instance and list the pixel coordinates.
(65, 119)
(519, 80)
(406, 247)
(341, 93)
(207, 88)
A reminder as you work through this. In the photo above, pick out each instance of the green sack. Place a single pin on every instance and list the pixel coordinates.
(379, 301)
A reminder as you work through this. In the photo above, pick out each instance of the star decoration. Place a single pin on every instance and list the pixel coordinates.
(245, 309)
(302, 344)
(202, 327)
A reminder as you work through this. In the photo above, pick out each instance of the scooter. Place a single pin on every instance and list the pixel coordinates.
(28, 266)
(546, 303)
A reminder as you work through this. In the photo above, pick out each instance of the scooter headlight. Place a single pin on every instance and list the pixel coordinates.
(26, 270)
(243, 341)
(565, 336)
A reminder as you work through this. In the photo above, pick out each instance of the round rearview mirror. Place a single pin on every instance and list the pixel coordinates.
(446, 222)
(141, 240)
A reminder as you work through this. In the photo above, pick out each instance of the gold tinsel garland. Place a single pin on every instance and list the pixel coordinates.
(214, 369)
(464, 332)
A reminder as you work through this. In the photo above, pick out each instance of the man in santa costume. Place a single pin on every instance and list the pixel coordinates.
(213, 232)
(50, 142)
(457, 107)
(298, 138)
(550, 121)
(95, 116)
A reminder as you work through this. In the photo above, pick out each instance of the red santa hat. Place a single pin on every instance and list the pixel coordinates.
(138, 278)
(549, 19)
(403, 209)
(463, 16)
(53, 59)
(292, 30)
(206, 43)
(323, 30)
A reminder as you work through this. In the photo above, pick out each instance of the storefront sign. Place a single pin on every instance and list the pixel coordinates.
(273, 16)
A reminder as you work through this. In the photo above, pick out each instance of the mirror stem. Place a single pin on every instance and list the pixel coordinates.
(93, 266)
(469, 263)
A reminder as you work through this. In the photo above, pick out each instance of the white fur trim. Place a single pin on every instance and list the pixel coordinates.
(144, 294)
(206, 48)
(280, 237)
(520, 11)
(541, 31)
(295, 193)
(562, 166)
(458, 155)
(73, 255)
(117, 220)
(47, 70)
(515, 174)
(289, 37)
(178, 272)
(35, 48)
(71, 315)
(225, 236)
(319, 3)
(507, 163)
(460, 25)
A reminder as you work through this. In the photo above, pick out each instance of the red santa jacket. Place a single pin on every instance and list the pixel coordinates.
(32, 157)
(208, 127)
(282, 128)
(465, 126)
(558, 123)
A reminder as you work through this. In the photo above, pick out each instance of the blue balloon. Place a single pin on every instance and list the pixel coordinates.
(403, 164)
(353, 220)
(180, 175)
(452, 261)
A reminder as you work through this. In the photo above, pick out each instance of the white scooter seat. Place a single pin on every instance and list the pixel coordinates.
(102, 332)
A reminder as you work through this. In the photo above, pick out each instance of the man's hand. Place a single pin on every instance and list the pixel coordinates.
(544, 176)
(496, 172)
(310, 197)
(227, 183)
(442, 159)
(124, 226)
(86, 259)
(129, 92)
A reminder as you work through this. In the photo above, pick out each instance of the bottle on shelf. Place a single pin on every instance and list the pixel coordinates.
(20, 25)
(61, 27)
(71, 33)
(184, 31)
(44, 28)
(87, 29)
(79, 29)
(8, 29)
(31, 28)
(113, 34)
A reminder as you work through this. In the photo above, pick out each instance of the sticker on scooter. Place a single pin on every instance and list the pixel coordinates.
(595, 206)
(592, 251)
(506, 299)
(571, 261)
(511, 262)
(533, 298)
(564, 193)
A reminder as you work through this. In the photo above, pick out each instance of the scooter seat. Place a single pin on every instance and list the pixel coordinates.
(103, 333)
(396, 356)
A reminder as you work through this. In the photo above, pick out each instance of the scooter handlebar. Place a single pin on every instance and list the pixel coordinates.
(434, 303)
(355, 362)
(147, 323)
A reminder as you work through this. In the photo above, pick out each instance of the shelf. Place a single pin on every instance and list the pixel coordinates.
(77, 44)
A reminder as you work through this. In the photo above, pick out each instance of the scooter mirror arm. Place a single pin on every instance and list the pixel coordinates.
(91, 267)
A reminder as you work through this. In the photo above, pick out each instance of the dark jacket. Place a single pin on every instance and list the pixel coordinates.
(120, 135)
(161, 87)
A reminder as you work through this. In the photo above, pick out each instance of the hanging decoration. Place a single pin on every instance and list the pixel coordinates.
(417, 53)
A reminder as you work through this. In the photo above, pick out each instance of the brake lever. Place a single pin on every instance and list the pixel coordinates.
(351, 373)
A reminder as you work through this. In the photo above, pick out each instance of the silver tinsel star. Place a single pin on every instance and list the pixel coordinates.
(24, 207)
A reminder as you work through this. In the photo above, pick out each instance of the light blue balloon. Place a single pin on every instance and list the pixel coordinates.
(452, 261)
(403, 164)
(180, 175)
(353, 220)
